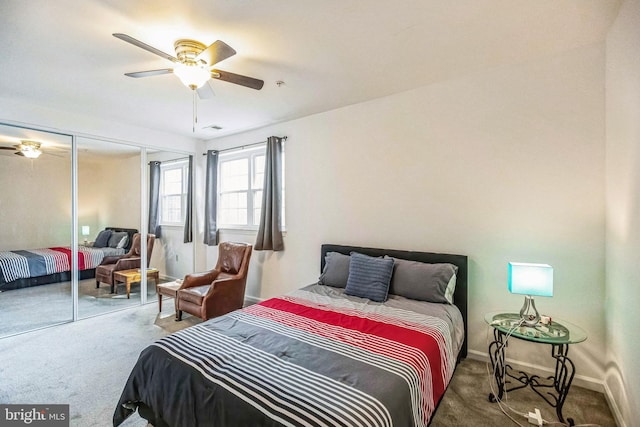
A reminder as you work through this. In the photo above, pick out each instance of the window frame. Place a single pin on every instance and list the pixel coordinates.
(249, 153)
(183, 165)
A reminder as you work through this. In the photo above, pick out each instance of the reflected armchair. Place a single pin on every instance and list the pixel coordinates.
(130, 260)
(219, 291)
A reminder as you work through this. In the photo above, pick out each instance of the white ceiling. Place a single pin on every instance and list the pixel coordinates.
(330, 53)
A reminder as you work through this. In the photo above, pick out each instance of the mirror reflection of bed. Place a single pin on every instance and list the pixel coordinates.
(36, 215)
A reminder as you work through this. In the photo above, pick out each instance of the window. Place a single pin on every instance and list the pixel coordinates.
(173, 192)
(240, 180)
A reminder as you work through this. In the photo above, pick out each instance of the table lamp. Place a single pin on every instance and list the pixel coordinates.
(86, 230)
(530, 280)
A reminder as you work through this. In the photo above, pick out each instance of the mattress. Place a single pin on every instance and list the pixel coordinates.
(311, 357)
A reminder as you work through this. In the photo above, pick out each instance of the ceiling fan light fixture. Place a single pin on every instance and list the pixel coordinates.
(192, 75)
(29, 149)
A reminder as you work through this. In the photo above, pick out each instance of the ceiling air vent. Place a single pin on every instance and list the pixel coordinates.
(213, 127)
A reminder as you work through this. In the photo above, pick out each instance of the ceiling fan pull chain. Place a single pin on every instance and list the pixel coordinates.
(195, 111)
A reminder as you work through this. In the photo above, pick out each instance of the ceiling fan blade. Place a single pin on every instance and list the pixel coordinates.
(216, 52)
(144, 46)
(8, 148)
(149, 73)
(205, 92)
(226, 76)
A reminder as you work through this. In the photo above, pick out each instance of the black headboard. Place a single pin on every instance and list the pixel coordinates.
(130, 233)
(460, 294)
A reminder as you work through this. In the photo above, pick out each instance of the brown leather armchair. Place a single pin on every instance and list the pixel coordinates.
(130, 260)
(219, 291)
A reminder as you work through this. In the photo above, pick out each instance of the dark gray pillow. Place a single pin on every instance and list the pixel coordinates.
(102, 240)
(336, 270)
(116, 237)
(422, 281)
(369, 277)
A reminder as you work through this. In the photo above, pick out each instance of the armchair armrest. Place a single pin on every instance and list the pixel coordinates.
(112, 259)
(224, 295)
(225, 288)
(199, 279)
(128, 263)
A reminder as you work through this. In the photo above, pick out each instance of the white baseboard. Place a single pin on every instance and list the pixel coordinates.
(579, 380)
(252, 300)
(613, 406)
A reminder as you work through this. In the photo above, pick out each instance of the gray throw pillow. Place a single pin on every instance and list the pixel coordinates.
(422, 281)
(369, 277)
(336, 270)
(102, 240)
(116, 237)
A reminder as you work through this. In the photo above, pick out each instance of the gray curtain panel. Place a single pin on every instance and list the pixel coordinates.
(270, 230)
(154, 198)
(210, 199)
(188, 228)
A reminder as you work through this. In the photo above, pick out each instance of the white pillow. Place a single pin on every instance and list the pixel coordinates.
(123, 242)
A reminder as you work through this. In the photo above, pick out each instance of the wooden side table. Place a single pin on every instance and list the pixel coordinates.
(559, 335)
(169, 289)
(134, 275)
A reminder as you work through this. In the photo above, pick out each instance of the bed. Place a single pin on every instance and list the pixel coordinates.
(317, 356)
(33, 267)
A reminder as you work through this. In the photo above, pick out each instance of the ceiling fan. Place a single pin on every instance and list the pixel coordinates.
(194, 64)
(30, 149)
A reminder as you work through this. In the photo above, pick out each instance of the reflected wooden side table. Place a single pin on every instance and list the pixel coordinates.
(134, 275)
(558, 334)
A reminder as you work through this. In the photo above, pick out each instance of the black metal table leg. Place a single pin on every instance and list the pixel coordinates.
(553, 389)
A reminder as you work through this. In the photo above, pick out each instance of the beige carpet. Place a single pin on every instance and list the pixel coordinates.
(86, 364)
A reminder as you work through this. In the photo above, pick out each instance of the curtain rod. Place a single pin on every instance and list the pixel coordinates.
(242, 147)
(181, 159)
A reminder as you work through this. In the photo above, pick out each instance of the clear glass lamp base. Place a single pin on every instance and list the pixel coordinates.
(528, 312)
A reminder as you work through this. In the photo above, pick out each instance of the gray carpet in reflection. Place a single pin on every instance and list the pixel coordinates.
(31, 308)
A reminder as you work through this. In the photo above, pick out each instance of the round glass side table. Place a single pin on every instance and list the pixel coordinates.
(559, 334)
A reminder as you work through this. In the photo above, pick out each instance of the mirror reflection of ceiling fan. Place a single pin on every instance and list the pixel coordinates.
(27, 148)
(194, 64)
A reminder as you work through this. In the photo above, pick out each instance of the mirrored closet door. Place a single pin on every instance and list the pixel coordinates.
(35, 229)
(109, 206)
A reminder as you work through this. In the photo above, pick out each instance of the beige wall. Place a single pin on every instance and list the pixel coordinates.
(623, 213)
(109, 193)
(502, 165)
(35, 201)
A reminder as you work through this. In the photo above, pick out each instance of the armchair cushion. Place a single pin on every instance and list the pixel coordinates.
(195, 294)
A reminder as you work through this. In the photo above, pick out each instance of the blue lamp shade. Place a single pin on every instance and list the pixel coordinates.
(531, 279)
(86, 230)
